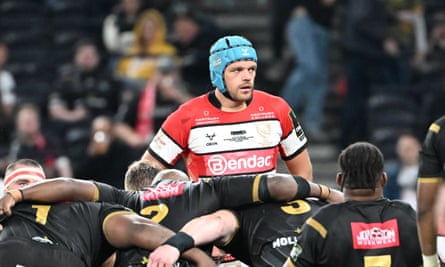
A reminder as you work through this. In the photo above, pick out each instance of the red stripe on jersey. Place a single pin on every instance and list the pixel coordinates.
(375, 235)
(163, 190)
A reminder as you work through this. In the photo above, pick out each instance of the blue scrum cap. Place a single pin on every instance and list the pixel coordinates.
(227, 50)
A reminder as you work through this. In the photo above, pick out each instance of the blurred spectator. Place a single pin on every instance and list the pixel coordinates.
(106, 158)
(408, 36)
(118, 26)
(192, 36)
(142, 115)
(280, 12)
(139, 62)
(83, 90)
(7, 98)
(308, 35)
(402, 176)
(30, 141)
(436, 45)
(369, 61)
(432, 91)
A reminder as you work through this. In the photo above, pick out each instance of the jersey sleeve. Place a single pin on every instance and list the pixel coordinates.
(109, 210)
(110, 194)
(171, 140)
(432, 154)
(238, 191)
(293, 141)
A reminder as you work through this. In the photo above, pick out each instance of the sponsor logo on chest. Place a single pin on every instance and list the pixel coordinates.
(222, 164)
(228, 137)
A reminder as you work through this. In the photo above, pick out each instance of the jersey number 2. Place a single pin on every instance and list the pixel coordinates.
(156, 213)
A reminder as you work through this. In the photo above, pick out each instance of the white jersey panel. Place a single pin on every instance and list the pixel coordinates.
(234, 137)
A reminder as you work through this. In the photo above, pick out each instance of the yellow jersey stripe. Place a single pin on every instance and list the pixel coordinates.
(429, 180)
(317, 227)
(289, 263)
(96, 193)
(435, 128)
(255, 189)
(119, 212)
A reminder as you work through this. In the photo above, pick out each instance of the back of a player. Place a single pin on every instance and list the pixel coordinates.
(376, 233)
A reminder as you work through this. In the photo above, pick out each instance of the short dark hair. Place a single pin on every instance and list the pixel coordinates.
(26, 162)
(139, 174)
(361, 165)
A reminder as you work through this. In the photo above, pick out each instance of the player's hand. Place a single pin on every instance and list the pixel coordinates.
(6, 203)
(164, 255)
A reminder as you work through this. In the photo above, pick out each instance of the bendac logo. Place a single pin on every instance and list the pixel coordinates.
(219, 165)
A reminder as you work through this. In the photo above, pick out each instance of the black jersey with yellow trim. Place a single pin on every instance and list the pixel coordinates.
(432, 154)
(374, 233)
(55, 226)
(268, 231)
(173, 203)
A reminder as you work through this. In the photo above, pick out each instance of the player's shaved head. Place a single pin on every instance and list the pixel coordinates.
(139, 174)
(170, 174)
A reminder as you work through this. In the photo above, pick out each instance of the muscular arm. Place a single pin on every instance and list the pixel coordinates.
(128, 229)
(218, 226)
(53, 190)
(431, 175)
(285, 187)
(153, 161)
(300, 165)
(426, 197)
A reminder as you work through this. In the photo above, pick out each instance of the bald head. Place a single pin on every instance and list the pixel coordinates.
(170, 174)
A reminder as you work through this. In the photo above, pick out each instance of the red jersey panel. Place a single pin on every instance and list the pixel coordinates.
(215, 143)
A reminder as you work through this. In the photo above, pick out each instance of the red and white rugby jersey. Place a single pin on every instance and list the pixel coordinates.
(216, 143)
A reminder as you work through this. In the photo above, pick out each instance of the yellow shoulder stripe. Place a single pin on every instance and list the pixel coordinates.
(434, 128)
(114, 213)
(429, 180)
(317, 227)
(289, 263)
(255, 189)
(96, 193)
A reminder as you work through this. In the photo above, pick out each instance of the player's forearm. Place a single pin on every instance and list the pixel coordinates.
(219, 225)
(427, 235)
(426, 199)
(285, 187)
(60, 189)
(199, 257)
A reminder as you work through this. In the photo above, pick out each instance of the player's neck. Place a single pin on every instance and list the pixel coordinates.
(363, 194)
(229, 105)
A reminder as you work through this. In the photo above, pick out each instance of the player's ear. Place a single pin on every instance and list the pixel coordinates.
(383, 179)
(339, 178)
